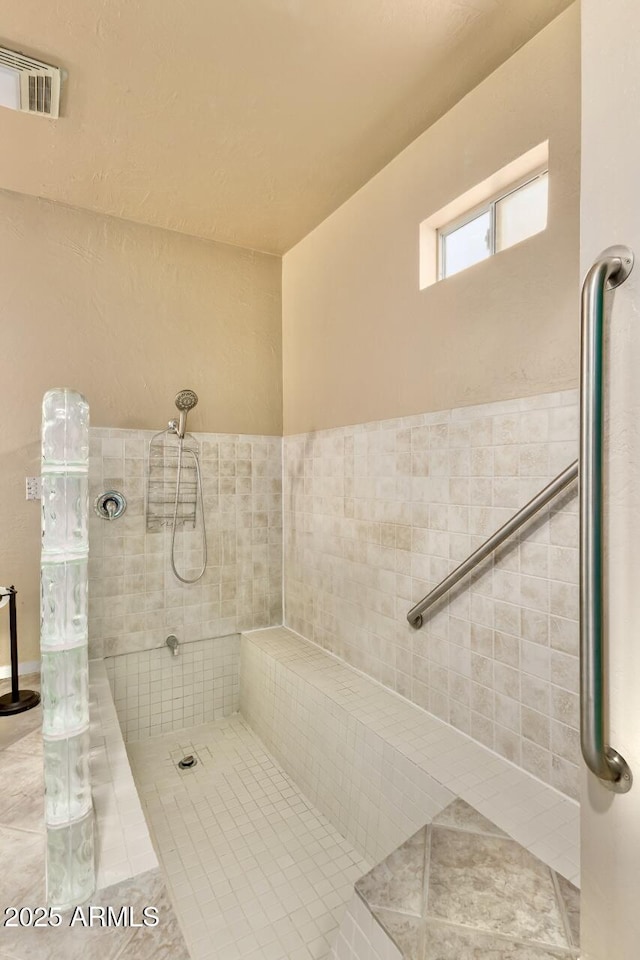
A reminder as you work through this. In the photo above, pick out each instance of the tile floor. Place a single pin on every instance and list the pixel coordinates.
(254, 870)
(460, 887)
(162, 942)
(22, 866)
(22, 839)
(18, 725)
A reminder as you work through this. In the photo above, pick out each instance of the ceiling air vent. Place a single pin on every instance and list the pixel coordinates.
(29, 85)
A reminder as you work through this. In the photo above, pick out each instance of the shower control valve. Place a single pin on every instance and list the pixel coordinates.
(172, 643)
(110, 505)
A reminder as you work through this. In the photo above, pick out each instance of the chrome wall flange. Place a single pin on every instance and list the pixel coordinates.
(626, 258)
(110, 505)
(618, 765)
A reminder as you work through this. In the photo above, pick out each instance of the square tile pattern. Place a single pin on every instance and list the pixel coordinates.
(135, 601)
(460, 887)
(317, 718)
(377, 765)
(155, 691)
(361, 935)
(376, 514)
(255, 871)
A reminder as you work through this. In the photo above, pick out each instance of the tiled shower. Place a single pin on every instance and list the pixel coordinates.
(256, 705)
(134, 599)
(373, 514)
(378, 513)
(336, 534)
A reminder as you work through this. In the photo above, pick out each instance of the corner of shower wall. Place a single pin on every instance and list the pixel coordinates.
(136, 601)
(69, 819)
(377, 513)
(155, 692)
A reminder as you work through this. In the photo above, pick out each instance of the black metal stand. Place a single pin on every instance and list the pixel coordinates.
(18, 700)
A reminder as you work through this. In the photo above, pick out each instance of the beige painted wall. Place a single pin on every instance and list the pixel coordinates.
(128, 315)
(360, 340)
(610, 853)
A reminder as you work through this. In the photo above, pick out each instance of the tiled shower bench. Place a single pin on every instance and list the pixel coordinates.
(380, 767)
(491, 852)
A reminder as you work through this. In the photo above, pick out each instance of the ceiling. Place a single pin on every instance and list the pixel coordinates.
(244, 121)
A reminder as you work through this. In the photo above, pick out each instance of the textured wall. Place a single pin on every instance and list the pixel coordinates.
(375, 515)
(127, 315)
(243, 121)
(361, 342)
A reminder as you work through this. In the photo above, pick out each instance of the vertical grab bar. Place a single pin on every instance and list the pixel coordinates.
(610, 270)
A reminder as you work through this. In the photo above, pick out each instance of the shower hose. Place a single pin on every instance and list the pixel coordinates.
(175, 516)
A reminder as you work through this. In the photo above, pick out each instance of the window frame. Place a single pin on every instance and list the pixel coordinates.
(487, 206)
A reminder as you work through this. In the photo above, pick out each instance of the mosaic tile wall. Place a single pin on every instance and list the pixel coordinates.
(291, 694)
(360, 936)
(376, 514)
(378, 766)
(135, 600)
(155, 692)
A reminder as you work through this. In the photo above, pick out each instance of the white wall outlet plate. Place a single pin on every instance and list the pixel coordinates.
(34, 488)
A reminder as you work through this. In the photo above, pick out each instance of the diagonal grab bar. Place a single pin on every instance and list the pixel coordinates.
(530, 509)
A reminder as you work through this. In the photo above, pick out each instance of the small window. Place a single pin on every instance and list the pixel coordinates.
(465, 245)
(501, 222)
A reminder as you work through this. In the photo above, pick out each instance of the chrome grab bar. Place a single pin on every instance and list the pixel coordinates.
(610, 270)
(541, 499)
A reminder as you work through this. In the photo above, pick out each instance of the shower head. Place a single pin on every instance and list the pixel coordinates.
(185, 401)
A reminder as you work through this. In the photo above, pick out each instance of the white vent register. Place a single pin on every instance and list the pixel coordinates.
(29, 85)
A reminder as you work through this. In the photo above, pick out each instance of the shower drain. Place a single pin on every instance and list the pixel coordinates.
(187, 762)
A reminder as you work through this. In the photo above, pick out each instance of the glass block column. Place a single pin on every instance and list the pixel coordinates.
(63, 643)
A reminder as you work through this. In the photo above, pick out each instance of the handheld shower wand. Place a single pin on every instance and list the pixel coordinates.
(185, 401)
